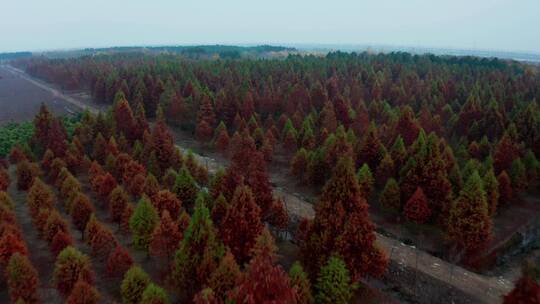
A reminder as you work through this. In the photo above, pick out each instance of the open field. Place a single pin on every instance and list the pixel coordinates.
(20, 99)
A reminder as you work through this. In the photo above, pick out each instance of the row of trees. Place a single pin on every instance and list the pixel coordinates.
(221, 251)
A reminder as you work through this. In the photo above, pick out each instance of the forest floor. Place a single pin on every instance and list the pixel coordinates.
(299, 201)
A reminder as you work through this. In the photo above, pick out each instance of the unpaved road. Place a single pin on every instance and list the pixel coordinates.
(483, 289)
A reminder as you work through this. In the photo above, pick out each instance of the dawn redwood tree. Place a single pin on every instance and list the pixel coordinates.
(518, 175)
(154, 294)
(506, 192)
(206, 111)
(224, 278)
(365, 181)
(42, 122)
(398, 152)
(203, 131)
(263, 281)
(258, 181)
(133, 285)
(222, 140)
(328, 117)
(185, 188)
(11, 243)
(356, 245)
(83, 293)
(427, 169)
(342, 226)
(470, 225)
(40, 220)
(129, 209)
(206, 296)
(123, 116)
(407, 125)
(57, 136)
(505, 153)
(4, 179)
(60, 241)
(151, 186)
(71, 266)
(143, 222)
(112, 147)
(177, 109)
(39, 196)
(163, 145)
(165, 200)
(22, 280)
(219, 210)
(526, 288)
(198, 255)
(390, 195)
(299, 163)
(278, 216)
(242, 224)
(92, 227)
(102, 242)
(300, 281)
(69, 189)
(336, 146)
(416, 209)
(166, 237)
(106, 184)
(491, 186)
(118, 262)
(333, 284)
(118, 199)
(6, 201)
(136, 185)
(99, 152)
(26, 173)
(370, 151)
(54, 223)
(385, 170)
(81, 210)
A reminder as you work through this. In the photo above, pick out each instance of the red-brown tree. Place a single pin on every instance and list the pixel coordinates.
(417, 208)
(526, 289)
(263, 281)
(22, 280)
(60, 241)
(342, 226)
(11, 243)
(119, 262)
(70, 267)
(118, 199)
(54, 223)
(81, 210)
(83, 293)
(166, 237)
(242, 224)
(165, 200)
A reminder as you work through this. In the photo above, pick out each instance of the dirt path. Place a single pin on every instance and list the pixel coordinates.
(40, 255)
(484, 289)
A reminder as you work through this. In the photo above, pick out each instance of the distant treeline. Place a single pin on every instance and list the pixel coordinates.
(15, 55)
(193, 52)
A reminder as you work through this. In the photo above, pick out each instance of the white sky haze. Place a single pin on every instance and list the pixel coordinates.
(461, 24)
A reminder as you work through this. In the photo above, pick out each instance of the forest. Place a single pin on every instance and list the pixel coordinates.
(392, 143)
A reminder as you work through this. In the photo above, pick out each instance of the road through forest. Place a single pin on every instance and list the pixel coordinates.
(404, 258)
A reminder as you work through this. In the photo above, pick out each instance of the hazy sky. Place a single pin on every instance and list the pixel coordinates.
(470, 24)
